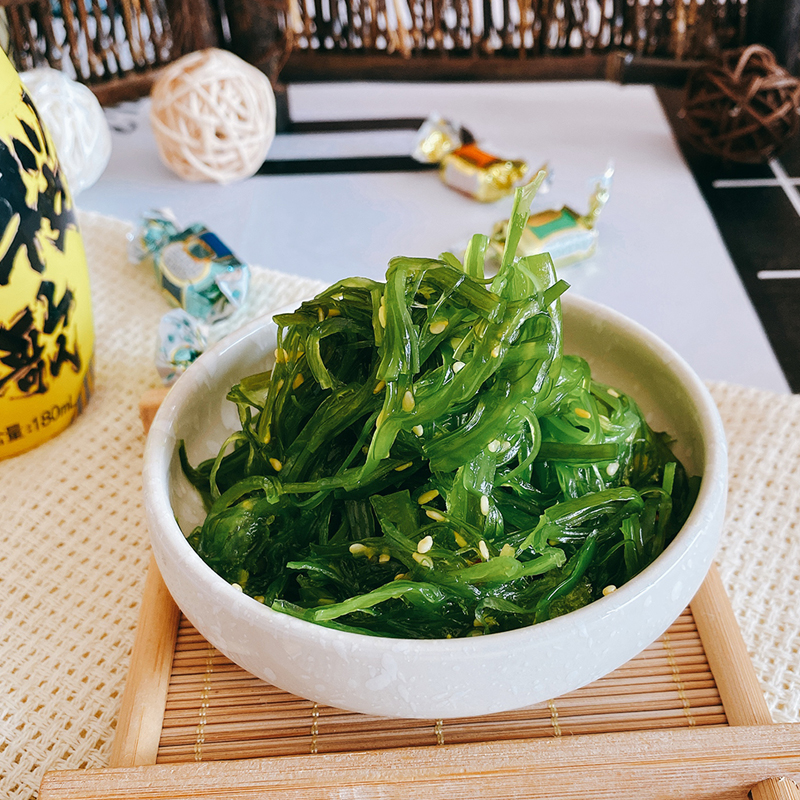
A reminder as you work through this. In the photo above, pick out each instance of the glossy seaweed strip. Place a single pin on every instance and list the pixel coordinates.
(423, 460)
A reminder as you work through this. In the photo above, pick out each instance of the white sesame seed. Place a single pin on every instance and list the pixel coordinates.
(493, 446)
(483, 550)
(418, 430)
(434, 515)
(612, 469)
(423, 560)
(609, 589)
(438, 327)
(458, 366)
(426, 497)
(425, 544)
(484, 505)
(496, 351)
(383, 558)
(237, 587)
(613, 392)
(582, 413)
(357, 548)
(408, 402)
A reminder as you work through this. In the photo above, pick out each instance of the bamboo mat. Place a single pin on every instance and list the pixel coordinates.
(216, 711)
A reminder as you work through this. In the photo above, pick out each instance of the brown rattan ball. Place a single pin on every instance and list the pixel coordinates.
(743, 107)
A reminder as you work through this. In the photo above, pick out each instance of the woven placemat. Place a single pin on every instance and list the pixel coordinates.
(74, 544)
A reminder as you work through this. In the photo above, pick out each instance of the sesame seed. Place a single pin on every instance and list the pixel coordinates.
(507, 551)
(418, 430)
(458, 366)
(267, 436)
(496, 351)
(276, 465)
(404, 466)
(400, 576)
(613, 392)
(357, 548)
(505, 446)
(493, 446)
(438, 327)
(423, 560)
(609, 589)
(426, 497)
(460, 540)
(425, 544)
(298, 380)
(408, 402)
(383, 558)
(582, 413)
(382, 316)
(237, 587)
(379, 387)
(612, 469)
(484, 505)
(483, 550)
(434, 515)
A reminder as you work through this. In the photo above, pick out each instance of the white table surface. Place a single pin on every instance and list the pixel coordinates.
(660, 260)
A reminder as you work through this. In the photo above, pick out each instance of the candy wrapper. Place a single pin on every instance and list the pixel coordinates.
(197, 273)
(565, 234)
(465, 166)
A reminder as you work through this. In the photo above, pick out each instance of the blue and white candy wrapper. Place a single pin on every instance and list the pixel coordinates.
(194, 269)
(181, 339)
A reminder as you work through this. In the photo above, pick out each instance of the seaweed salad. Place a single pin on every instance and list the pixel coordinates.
(424, 461)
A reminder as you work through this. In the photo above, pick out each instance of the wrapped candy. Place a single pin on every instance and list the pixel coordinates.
(463, 165)
(195, 269)
(567, 235)
(200, 276)
(181, 339)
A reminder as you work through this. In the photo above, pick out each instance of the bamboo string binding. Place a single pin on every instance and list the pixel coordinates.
(744, 107)
(213, 117)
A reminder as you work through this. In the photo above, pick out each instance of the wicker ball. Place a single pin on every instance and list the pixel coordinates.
(213, 116)
(743, 107)
(76, 123)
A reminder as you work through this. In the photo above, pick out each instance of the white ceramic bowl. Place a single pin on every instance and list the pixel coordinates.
(432, 679)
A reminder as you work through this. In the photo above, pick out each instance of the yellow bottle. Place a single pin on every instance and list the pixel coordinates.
(46, 328)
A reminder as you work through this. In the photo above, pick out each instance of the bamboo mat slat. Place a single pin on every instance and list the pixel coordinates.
(216, 711)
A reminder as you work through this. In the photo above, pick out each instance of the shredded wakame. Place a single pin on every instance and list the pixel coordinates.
(424, 461)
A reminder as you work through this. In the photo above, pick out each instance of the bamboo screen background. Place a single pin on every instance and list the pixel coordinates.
(103, 42)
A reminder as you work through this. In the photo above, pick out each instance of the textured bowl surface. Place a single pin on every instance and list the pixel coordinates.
(439, 678)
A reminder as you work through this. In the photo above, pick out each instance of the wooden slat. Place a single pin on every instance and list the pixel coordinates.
(727, 655)
(698, 764)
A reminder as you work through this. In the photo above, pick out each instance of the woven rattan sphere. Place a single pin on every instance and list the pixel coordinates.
(213, 117)
(743, 107)
(76, 123)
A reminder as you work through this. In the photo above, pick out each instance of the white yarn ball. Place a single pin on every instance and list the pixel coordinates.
(76, 122)
(213, 116)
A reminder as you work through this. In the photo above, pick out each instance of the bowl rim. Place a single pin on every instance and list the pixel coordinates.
(162, 523)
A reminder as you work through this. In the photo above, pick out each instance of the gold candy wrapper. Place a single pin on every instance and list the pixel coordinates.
(567, 235)
(463, 165)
